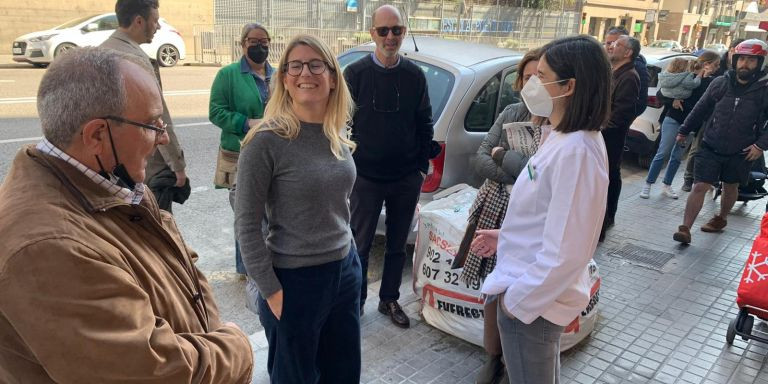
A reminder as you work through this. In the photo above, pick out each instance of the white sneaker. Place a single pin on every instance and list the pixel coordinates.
(646, 192)
(667, 191)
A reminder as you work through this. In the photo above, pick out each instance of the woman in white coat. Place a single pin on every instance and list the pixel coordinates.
(555, 211)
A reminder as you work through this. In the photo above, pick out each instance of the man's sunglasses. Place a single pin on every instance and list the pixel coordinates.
(397, 30)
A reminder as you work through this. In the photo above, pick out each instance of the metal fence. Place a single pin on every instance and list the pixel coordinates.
(484, 22)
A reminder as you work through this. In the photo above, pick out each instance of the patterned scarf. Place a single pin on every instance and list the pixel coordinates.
(488, 212)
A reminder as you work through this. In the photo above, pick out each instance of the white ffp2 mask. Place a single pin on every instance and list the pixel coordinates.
(536, 97)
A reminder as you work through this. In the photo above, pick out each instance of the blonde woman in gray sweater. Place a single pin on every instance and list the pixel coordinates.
(297, 168)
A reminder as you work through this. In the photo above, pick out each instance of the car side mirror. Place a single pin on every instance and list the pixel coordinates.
(91, 27)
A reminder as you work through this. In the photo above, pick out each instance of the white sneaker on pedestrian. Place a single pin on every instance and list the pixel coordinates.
(667, 191)
(646, 192)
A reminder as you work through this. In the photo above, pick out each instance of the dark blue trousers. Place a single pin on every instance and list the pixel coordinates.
(400, 198)
(317, 339)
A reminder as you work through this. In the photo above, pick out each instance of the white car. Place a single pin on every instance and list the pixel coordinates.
(643, 135)
(41, 48)
(667, 45)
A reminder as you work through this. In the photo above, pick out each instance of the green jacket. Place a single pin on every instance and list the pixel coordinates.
(234, 99)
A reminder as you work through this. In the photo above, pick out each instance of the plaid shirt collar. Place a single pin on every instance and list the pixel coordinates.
(132, 197)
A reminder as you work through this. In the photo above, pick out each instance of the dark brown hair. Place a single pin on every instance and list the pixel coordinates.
(582, 58)
(532, 55)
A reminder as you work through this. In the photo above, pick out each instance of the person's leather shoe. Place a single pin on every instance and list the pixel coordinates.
(504, 377)
(716, 224)
(683, 234)
(490, 371)
(395, 312)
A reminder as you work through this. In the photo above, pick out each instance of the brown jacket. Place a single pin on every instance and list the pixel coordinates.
(169, 155)
(95, 290)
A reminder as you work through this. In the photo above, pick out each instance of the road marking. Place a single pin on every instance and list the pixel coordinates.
(23, 139)
(32, 99)
(6, 141)
(18, 100)
(192, 124)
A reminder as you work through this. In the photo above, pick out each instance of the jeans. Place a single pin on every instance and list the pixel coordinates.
(239, 266)
(667, 147)
(400, 197)
(317, 338)
(531, 351)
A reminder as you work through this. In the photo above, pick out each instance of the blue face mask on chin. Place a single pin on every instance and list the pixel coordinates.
(119, 173)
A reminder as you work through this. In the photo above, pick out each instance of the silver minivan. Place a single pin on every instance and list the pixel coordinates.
(469, 84)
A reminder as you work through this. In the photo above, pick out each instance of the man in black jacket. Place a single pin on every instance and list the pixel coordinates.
(640, 67)
(626, 87)
(735, 134)
(393, 131)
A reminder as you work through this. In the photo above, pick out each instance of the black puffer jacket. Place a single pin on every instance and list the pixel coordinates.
(738, 114)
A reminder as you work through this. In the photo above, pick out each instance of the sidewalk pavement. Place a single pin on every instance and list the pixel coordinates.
(662, 325)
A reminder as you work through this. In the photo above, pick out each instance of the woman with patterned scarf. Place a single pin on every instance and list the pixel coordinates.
(500, 163)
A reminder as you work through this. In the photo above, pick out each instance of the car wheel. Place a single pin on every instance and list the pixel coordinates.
(167, 55)
(63, 47)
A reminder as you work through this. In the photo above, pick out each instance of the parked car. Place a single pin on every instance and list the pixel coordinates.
(467, 91)
(719, 48)
(667, 45)
(643, 135)
(41, 48)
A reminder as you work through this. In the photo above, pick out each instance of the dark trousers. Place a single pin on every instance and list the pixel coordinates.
(614, 190)
(400, 198)
(614, 147)
(317, 339)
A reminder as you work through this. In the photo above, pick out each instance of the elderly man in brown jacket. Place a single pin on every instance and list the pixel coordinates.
(96, 283)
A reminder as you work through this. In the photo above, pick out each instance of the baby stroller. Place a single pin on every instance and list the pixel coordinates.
(754, 189)
(752, 294)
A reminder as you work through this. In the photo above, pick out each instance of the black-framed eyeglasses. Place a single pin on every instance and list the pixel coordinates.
(397, 30)
(264, 42)
(159, 130)
(387, 108)
(316, 67)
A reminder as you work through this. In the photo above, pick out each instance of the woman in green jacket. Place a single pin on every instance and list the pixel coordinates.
(238, 97)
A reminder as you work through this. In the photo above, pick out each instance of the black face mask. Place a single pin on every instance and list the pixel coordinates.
(119, 174)
(258, 53)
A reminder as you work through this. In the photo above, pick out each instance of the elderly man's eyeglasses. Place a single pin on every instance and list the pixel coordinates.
(159, 128)
(397, 30)
(264, 42)
(294, 68)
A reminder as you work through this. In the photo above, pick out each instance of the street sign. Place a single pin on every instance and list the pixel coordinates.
(650, 16)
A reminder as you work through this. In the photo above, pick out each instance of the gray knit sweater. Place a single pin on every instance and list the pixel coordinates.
(678, 85)
(304, 191)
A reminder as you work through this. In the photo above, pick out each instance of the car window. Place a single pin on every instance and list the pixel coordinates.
(508, 93)
(653, 75)
(439, 81)
(72, 23)
(107, 23)
(482, 112)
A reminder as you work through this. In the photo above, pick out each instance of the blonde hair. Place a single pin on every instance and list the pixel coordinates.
(280, 118)
(679, 65)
